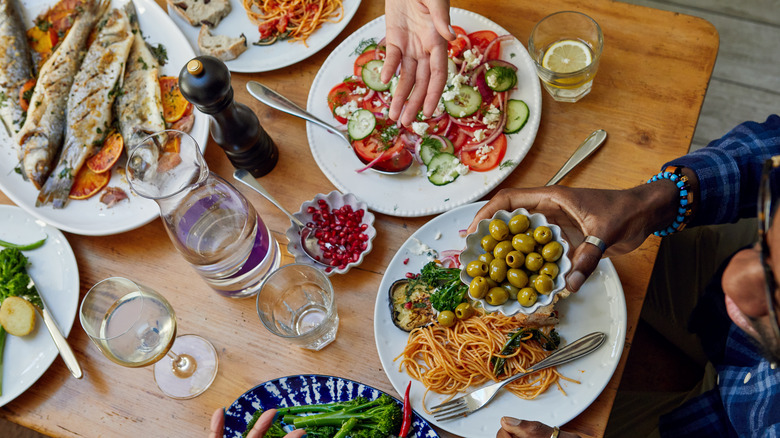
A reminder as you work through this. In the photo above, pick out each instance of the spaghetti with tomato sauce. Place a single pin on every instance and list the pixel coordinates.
(291, 19)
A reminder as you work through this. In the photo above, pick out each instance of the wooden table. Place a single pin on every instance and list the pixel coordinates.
(647, 95)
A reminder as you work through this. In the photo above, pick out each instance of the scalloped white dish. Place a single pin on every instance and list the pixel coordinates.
(419, 196)
(91, 217)
(474, 249)
(335, 200)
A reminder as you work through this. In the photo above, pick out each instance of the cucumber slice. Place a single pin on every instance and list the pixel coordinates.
(361, 124)
(465, 103)
(443, 168)
(516, 116)
(431, 146)
(500, 78)
(369, 47)
(371, 72)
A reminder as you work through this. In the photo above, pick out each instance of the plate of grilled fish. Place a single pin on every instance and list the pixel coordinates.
(71, 72)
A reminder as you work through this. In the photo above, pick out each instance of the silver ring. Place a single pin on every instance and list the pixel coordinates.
(556, 431)
(593, 240)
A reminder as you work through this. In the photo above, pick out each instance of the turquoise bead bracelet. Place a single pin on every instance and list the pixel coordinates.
(675, 175)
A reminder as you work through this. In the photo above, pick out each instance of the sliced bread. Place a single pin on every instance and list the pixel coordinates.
(197, 12)
(220, 46)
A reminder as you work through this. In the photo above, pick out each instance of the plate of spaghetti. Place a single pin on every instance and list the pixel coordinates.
(448, 362)
(304, 28)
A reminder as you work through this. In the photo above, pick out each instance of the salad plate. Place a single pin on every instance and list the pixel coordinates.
(53, 267)
(420, 197)
(305, 389)
(90, 216)
(598, 306)
(281, 54)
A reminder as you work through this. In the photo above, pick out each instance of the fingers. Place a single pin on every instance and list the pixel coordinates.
(262, 425)
(440, 13)
(585, 260)
(297, 433)
(438, 80)
(404, 87)
(514, 428)
(217, 423)
(418, 92)
(392, 61)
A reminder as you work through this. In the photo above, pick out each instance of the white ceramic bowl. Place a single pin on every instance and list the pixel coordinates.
(335, 200)
(474, 249)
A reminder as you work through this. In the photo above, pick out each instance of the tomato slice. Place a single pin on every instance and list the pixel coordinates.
(488, 161)
(375, 105)
(397, 162)
(459, 136)
(372, 147)
(342, 94)
(364, 58)
(481, 39)
(437, 127)
(456, 46)
(459, 30)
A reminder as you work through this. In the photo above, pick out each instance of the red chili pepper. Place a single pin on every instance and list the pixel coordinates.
(407, 423)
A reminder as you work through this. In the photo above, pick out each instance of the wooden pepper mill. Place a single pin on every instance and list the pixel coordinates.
(205, 82)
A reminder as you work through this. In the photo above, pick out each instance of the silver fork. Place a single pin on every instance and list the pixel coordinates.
(475, 400)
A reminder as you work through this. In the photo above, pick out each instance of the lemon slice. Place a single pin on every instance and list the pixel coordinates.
(567, 56)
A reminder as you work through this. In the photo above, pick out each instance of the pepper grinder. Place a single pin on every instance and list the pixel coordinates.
(205, 82)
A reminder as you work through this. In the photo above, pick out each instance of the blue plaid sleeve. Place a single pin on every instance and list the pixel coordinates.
(729, 170)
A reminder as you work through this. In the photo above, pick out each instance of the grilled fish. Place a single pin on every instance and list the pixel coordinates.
(90, 101)
(15, 65)
(139, 107)
(41, 135)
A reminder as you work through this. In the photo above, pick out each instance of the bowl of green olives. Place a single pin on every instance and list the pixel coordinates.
(515, 262)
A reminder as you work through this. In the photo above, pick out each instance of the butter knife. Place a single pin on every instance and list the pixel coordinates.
(587, 147)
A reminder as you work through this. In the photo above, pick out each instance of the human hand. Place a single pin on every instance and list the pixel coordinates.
(514, 428)
(416, 38)
(258, 431)
(621, 218)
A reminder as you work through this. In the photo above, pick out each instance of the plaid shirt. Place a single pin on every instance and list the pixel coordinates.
(746, 400)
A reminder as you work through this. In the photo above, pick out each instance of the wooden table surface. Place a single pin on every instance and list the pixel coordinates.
(654, 73)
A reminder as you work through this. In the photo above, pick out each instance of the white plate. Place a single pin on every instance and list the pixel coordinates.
(266, 58)
(420, 198)
(92, 217)
(598, 306)
(53, 267)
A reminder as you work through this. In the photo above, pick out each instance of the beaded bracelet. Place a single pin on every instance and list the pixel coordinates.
(675, 175)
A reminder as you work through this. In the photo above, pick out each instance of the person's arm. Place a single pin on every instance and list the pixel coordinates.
(416, 39)
(514, 428)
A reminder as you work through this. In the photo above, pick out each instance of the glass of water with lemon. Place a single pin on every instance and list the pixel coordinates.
(566, 47)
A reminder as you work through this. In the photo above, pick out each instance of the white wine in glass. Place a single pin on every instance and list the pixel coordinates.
(135, 326)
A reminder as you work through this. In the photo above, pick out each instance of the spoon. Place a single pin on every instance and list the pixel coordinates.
(594, 140)
(281, 103)
(309, 243)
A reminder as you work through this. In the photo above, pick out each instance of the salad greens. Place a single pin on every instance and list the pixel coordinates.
(450, 291)
(549, 342)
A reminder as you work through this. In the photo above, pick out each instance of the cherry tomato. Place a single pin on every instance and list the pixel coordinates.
(493, 159)
(342, 94)
(364, 58)
(482, 39)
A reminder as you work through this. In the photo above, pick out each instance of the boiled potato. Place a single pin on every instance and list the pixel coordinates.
(17, 316)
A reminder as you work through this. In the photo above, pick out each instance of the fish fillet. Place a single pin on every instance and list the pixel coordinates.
(15, 65)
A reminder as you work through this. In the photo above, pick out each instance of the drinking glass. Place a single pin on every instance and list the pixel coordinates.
(296, 302)
(135, 326)
(571, 33)
(210, 223)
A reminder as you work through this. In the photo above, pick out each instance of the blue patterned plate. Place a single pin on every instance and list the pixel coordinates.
(305, 390)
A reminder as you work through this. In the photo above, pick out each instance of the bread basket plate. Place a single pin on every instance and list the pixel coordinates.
(92, 217)
(266, 58)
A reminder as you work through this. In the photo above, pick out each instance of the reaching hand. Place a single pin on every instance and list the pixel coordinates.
(417, 34)
(514, 428)
(621, 218)
(258, 431)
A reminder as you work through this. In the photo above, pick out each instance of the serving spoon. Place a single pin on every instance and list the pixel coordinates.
(309, 243)
(281, 103)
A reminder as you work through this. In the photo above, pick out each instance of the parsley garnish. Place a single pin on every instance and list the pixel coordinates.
(364, 44)
(159, 53)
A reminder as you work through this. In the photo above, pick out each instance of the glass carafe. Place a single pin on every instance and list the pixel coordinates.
(210, 223)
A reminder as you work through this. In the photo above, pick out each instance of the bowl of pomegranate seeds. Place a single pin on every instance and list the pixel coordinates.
(344, 229)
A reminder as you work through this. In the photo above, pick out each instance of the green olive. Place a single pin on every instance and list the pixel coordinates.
(550, 269)
(488, 243)
(510, 289)
(544, 284)
(446, 318)
(526, 297)
(491, 282)
(464, 311)
(486, 257)
(502, 249)
(498, 229)
(497, 296)
(515, 259)
(518, 224)
(543, 234)
(534, 261)
(530, 232)
(497, 270)
(477, 268)
(531, 279)
(478, 287)
(517, 277)
(552, 251)
(523, 243)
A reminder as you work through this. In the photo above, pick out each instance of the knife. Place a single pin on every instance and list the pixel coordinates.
(62, 345)
(587, 147)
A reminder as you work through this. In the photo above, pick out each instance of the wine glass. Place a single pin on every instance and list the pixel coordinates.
(135, 326)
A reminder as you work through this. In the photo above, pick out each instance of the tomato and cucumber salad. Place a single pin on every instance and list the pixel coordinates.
(468, 130)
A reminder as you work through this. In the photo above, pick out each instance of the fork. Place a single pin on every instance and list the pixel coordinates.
(465, 405)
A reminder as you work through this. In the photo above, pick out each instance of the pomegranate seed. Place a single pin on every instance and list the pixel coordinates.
(409, 275)
(406, 261)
